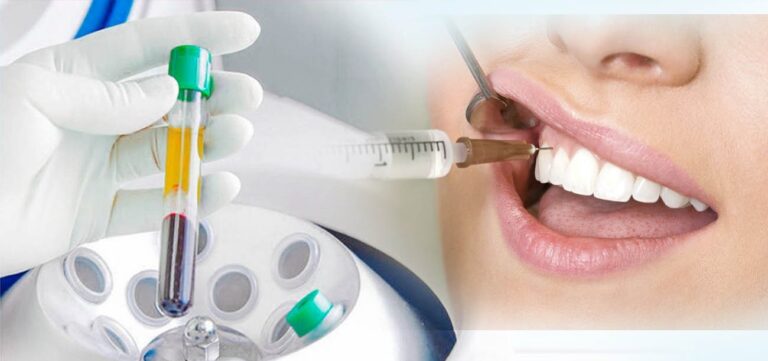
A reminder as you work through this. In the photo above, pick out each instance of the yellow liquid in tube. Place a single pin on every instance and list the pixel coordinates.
(177, 162)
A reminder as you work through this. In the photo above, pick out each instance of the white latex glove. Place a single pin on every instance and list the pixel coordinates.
(72, 133)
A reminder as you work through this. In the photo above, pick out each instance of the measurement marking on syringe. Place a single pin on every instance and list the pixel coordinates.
(380, 149)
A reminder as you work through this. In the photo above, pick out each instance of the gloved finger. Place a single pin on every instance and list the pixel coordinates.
(234, 93)
(124, 50)
(143, 153)
(142, 210)
(94, 106)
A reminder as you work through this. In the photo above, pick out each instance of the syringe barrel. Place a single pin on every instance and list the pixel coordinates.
(418, 154)
(412, 154)
(190, 65)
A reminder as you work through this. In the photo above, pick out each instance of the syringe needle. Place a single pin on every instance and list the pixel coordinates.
(480, 151)
(415, 154)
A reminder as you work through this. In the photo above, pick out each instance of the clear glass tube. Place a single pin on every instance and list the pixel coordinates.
(181, 193)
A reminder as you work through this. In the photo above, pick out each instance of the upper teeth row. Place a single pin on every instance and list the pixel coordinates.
(581, 174)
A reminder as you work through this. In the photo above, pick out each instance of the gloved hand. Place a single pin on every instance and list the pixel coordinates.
(72, 133)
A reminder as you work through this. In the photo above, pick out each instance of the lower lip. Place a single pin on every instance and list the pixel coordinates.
(554, 253)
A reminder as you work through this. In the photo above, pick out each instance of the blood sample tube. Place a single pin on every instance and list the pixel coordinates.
(191, 67)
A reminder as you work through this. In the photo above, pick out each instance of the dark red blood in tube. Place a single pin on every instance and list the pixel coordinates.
(177, 261)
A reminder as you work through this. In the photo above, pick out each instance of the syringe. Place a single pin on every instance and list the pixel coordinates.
(414, 154)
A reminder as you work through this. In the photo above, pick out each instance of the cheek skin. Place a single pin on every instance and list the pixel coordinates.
(720, 281)
(732, 134)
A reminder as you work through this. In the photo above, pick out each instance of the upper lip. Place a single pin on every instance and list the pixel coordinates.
(607, 143)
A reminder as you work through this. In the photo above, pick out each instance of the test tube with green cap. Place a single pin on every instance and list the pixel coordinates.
(314, 316)
(191, 67)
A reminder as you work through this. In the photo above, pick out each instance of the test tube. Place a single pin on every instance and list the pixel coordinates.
(191, 67)
(314, 316)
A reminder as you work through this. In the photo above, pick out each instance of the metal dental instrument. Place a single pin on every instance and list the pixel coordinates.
(486, 103)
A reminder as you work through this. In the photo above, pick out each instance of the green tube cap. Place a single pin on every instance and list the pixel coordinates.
(308, 313)
(190, 65)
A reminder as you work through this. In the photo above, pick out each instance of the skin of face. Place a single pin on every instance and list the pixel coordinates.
(693, 88)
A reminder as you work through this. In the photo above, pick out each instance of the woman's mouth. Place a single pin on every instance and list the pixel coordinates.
(601, 201)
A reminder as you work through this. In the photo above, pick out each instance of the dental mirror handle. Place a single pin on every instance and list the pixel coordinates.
(471, 61)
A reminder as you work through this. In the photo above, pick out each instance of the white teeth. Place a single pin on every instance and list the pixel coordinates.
(614, 184)
(698, 205)
(559, 166)
(581, 173)
(645, 190)
(543, 164)
(673, 199)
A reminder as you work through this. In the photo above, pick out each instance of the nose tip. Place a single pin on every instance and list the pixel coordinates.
(637, 49)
